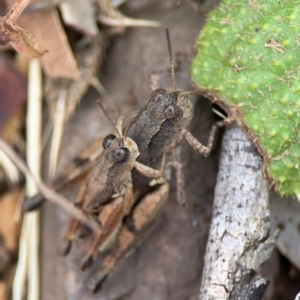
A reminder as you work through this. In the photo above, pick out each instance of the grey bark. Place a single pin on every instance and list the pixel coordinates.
(239, 240)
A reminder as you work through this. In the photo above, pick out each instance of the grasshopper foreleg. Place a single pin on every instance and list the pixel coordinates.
(197, 146)
(150, 172)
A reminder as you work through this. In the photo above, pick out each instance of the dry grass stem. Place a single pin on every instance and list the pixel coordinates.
(33, 155)
(58, 129)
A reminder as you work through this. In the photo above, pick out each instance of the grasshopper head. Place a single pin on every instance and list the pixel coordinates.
(162, 105)
(120, 150)
(171, 106)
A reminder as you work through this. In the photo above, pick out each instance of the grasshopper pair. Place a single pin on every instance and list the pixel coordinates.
(107, 196)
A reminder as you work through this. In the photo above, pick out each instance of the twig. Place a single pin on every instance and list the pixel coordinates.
(17, 9)
(18, 38)
(238, 240)
(47, 192)
(127, 22)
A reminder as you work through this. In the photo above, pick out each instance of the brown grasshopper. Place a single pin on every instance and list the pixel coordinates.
(106, 195)
(110, 216)
(159, 128)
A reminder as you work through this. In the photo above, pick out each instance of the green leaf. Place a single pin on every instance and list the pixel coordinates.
(249, 53)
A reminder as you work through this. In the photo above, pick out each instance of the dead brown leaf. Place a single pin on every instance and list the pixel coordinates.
(12, 131)
(49, 31)
(88, 59)
(13, 92)
(3, 288)
(21, 40)
(9, 227)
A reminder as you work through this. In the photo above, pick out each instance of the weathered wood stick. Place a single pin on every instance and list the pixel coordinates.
(239, 240)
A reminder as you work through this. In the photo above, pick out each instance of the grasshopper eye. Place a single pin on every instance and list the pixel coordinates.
(108, 140)
(121, 154)
(157, 95)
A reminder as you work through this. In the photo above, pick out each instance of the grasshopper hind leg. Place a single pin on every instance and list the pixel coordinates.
(74, 224)
(142, 221)
(180, 183)
(111, 218)
(70, 235)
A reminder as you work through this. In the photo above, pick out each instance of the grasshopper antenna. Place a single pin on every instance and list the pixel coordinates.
(109, 119)
(171, 59)
(128, 127)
